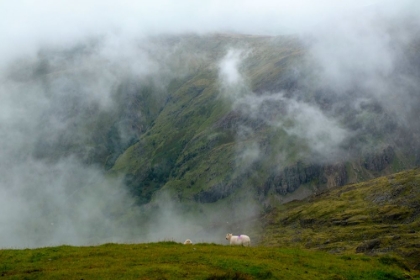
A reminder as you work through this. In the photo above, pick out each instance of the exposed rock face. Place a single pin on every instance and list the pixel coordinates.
(378, 162)
(222, 189)
(290, 178)
(216, 192)
(287, 181)
(334, 175)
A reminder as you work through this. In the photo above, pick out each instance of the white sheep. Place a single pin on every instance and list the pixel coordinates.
(242, 239)
(188, 242)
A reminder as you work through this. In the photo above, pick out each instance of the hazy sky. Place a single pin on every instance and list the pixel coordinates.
(26, 24)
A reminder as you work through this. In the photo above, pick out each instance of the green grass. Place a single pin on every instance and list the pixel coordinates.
(377, 217)
(170, 260)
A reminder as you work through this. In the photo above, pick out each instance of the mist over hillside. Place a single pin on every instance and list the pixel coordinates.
(119, 129)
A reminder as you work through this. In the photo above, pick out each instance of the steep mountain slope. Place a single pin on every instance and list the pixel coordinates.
(191, 146)
(374, 217)
(205, 117)
(253, 115)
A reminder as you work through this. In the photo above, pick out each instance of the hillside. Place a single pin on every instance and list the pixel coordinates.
(273, 130)
(376, 217)
(192, 146)
(205, 116)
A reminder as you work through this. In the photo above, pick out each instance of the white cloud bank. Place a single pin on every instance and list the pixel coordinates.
(27, 25)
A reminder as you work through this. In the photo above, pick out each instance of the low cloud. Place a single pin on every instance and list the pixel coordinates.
(229, 71)
(51, 107)
(370, 57)
(55, 108)
(28, 26)
(62, 203)
(62, 63)
(320, 133)
(233, 85)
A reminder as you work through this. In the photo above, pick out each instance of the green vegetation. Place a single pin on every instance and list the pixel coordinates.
(199, 143)
(192, 146)
(377, 217)
(170, 260)
(182, 128)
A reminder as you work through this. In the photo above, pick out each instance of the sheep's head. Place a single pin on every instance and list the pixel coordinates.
(228, 236)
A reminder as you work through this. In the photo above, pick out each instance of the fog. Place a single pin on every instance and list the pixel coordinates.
(28, 25)
(323, 133)
(63, 64)
(56, 110)
(358, 59)
(370, 58)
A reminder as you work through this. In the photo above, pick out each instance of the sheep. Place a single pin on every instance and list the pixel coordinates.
(188, 242)
(242, 239)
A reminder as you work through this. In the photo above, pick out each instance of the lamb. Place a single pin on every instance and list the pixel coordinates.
(188, 242)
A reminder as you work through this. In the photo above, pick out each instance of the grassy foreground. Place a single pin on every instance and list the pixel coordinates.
(170, 260)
